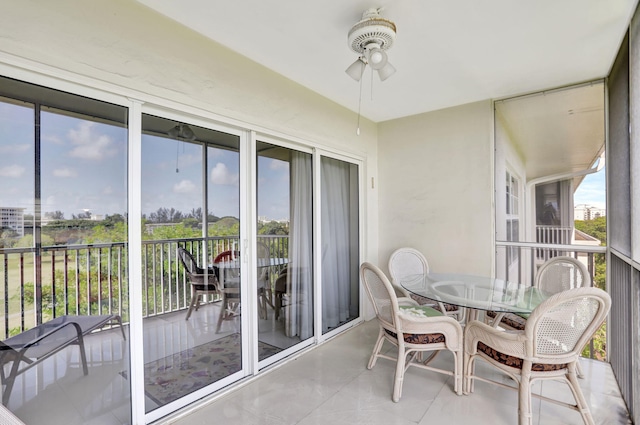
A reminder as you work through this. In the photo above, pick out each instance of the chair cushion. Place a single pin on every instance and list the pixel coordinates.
(419, 311)
(516, 362)
(512, 320)
(424, 300)
(419, 338)
(421, 300)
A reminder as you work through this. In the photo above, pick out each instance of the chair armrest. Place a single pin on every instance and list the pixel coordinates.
(507, 342)
(445, 325)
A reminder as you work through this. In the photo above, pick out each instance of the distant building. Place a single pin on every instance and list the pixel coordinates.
(263, 220)
(12, 218)
(588, 212)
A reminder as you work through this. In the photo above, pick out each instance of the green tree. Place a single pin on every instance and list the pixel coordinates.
(273, 228)
(596, 228)
(108, 233)
(226, 226)
(27, 241)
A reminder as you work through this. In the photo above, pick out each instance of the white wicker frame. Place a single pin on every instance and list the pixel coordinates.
(409, 261)
(555, 333)
(386, 306)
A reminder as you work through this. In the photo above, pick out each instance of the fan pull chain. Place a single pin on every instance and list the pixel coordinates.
(177, 156)
(359, 105)
(372, 84)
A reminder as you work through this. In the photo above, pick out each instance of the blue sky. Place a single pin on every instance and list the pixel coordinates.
(84, 168)
(592, 190)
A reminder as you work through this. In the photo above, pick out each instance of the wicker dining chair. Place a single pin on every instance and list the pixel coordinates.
(421, 329)
(555, 275)
(547, 348)
(409, 261)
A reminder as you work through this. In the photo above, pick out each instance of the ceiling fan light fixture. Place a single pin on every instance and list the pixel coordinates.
(376, 57)
(387, 71)
(182, 131)
(371, 37)
(356, 69)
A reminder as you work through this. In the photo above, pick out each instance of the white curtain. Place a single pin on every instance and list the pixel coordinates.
(336, 249)
(300, 274)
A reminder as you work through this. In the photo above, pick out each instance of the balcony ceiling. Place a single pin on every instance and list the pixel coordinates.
(447, 53)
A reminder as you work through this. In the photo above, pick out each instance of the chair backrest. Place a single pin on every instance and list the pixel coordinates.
(189, 262)
(560, 274)
(562, 324)
(226, 256)
(380, 293)
(405, 262)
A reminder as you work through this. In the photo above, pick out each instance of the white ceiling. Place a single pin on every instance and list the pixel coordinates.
(447, 52)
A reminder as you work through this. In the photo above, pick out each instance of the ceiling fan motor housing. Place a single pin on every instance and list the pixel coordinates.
(372, 29)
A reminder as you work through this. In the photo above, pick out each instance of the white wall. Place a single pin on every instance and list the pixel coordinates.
(436, 187)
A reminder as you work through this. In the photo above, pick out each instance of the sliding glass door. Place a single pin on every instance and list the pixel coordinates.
(285, 248)
(63, 246)
(340, 243)
(191, 262)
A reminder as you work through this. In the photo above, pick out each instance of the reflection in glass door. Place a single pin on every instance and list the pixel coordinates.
(285, 248)
(63, 221)
(191, 262)
(340, 246)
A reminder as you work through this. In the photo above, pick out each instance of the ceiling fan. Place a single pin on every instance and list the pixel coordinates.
(371, 38)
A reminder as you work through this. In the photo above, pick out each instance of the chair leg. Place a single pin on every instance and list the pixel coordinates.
(525, 413)
(194, 300)
(469, 368)
(581, 402)
(376, 349)
(399, 377)
(223, 308)
(83, 354)
(457, 371)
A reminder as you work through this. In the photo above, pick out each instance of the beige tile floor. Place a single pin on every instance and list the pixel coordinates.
(326, 385)
(331, 385)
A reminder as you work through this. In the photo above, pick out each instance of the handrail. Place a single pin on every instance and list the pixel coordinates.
(582, 248)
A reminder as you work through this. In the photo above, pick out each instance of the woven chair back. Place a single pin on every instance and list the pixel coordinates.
(563, 324)
(561, 274)
(405, 262)
(380, 293)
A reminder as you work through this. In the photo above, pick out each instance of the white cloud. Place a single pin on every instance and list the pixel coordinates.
(14, 171)
(276, 164)
(220, 174)
(88, 144)
(107, 190)
(52, 139)
(65, 172)
(185, 186)
(16, 148)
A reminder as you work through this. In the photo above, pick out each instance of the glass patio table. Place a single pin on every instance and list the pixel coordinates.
(475, 292)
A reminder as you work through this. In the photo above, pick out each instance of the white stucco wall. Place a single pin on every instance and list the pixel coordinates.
(436, 187)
